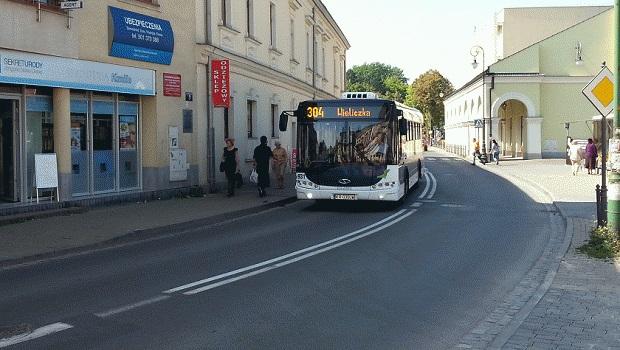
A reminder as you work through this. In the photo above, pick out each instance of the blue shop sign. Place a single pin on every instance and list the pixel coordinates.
(140, 37)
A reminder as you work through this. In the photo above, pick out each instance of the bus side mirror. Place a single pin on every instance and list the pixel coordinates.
(283, 121)
(399, 112)
(402, 126)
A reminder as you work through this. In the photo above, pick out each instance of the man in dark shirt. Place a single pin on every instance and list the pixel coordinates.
(262, 154)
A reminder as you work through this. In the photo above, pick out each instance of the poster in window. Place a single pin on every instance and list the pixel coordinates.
(76, 139)
(127, 132)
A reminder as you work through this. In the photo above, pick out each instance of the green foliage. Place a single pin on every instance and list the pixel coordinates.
(603, 244)
(424, 94)
(387, 81)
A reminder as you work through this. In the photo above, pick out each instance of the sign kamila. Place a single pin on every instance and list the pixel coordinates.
(140, 37)
(220, 83)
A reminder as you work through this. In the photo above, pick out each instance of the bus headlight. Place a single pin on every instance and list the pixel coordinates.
(309, 195)
(381, 196)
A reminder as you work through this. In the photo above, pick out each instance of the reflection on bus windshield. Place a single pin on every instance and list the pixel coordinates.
(344, 142)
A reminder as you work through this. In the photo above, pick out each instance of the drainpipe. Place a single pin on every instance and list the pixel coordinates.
(313, 54)
(491, 109)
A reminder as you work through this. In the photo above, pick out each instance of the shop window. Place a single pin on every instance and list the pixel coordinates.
(128, 145)
(251, 115)
(272, 25)
(274, 121)
(80, 173)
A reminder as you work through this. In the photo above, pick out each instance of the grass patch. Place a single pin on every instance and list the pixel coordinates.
(603, 244)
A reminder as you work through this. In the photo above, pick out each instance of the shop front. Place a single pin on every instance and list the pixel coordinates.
(87, 113)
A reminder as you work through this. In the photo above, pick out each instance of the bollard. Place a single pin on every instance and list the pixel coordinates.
(599, 221)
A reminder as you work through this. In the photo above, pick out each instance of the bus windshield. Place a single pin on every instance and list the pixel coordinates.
(333, 149)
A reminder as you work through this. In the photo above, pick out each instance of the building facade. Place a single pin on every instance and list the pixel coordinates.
(531, 101)
(86, 85)
(281, 52)
(119, 91)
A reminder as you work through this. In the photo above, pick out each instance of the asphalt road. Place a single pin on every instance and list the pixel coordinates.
(347, 276)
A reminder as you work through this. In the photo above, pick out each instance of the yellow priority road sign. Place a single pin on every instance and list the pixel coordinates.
(600, 91)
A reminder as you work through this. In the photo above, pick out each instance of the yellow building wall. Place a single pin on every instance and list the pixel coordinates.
(527, 61)
(565, 102)
(596, 36)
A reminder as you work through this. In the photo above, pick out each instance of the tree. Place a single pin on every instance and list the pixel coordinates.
(387, 81)
(423, 94)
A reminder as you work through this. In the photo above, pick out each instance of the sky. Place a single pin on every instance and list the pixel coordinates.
(418, 35)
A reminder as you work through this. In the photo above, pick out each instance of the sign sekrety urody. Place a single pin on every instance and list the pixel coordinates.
(34, 69)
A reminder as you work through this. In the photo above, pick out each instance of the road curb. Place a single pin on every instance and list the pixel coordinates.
(142, 236)
(28, 216)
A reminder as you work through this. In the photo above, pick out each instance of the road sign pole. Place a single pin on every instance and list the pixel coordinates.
(613, 204)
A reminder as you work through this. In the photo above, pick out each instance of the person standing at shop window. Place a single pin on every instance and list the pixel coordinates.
(262, 154)
(230, 162)
(279, 163)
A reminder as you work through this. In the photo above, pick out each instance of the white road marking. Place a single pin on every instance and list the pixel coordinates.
(429, 158)
(427, 186)
(432, 193)
(452, 205)
(296, 259)
(37, 333)
(284, 257)
(428, 201)
(131, 306)
(416, 205)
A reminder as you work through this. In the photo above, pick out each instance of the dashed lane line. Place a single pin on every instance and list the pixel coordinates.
(129, 307)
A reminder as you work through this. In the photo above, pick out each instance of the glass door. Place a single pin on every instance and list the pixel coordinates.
(104, 160)
(9, 150)
(80, 164)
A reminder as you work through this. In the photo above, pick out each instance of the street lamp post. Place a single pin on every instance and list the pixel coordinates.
(474, 52)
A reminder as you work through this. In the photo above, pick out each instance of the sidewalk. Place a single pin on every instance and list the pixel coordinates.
(46, 237)
(579, 307)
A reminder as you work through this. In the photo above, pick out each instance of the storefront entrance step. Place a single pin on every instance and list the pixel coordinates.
(22, 217)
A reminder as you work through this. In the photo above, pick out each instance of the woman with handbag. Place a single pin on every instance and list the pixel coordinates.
(230, 165)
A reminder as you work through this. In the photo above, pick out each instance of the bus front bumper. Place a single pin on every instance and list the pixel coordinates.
(337, 194)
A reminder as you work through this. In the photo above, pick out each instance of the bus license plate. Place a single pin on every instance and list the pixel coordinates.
(346, 197)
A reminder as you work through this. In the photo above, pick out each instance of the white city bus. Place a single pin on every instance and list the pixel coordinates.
(356, 148)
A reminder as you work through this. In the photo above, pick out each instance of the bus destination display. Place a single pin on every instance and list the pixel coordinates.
(320, 112)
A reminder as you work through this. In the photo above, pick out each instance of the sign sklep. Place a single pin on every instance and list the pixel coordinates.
(220, 83)
(139, 37)
(600, 91)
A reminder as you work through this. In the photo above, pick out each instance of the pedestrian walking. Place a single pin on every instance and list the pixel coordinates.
(475, 145)
(495, 151)
(280, 158)
(591, 154)
(576, 155)
(230, 165)
(262, 154)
